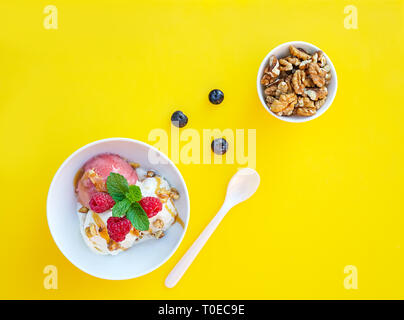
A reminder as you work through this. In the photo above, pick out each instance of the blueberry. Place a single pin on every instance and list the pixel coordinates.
(216, 96)
(219, 146)
(179, 119)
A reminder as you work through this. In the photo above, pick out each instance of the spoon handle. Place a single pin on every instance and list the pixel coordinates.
(182, 266)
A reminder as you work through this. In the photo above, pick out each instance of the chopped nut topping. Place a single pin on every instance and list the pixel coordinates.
(97, 181)
(158, 223)
(91, 230)
(150, 174)
(134, 232)
(134, 165)
(174, 194)
(83, 209)
(163, 193)
(159, 234)
(112, 245)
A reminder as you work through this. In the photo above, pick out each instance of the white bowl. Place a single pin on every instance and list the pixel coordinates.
(64, 223)
(283, 51)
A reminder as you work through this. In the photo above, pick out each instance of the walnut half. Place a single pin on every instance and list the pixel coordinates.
(298, 53)
(316, 93)
(305, 112)
(273, 67)
(298, 81)
(284, 105)
(316, 74)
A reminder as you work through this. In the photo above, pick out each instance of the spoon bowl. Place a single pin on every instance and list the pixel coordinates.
(242, 186)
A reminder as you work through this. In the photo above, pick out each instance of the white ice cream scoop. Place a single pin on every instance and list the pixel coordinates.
(241, 187)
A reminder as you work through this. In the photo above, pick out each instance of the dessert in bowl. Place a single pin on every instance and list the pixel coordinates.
(118, 208)
(120, 204)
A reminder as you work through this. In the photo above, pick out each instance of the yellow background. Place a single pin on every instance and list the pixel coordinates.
(331, 193)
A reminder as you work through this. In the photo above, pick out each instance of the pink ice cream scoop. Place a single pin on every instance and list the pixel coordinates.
(95, 174)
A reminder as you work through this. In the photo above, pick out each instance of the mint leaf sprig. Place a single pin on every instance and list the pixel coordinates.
(127, 201)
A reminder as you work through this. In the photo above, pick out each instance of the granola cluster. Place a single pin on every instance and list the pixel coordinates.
(296, 84)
